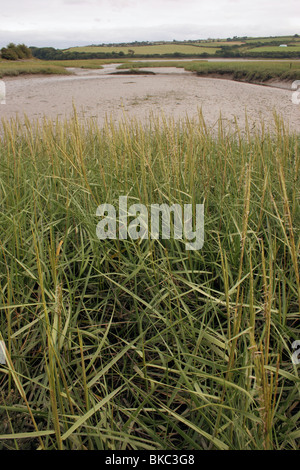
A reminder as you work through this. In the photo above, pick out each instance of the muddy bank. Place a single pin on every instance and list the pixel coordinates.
(274, 82)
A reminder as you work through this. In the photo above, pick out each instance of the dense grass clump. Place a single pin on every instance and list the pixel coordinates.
(141, 344)
(257, 71)
(14, 69)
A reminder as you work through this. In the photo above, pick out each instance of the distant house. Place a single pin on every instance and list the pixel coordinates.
(283, 45)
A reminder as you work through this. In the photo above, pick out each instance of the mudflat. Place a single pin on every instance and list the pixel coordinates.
(175, 92)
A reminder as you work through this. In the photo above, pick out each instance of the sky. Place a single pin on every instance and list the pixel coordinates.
(66, 23)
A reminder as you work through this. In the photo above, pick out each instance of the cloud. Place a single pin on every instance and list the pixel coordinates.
(64, 23)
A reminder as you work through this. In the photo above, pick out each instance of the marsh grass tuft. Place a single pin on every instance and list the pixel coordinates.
(249, 71)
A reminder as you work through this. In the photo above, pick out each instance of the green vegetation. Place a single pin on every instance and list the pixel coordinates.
(15, 52)
(141, 344)
(217, 43)
(277, 39)
(259, 71)
(13, 69)
(49, 53)
(276, 49)
(236, 47)
(249, 71)
(231, 47)
(161, 49)
(36, 66)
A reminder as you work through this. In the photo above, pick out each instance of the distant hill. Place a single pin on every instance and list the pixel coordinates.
(268, 47)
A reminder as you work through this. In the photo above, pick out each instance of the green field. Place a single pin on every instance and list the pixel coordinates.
(141, 344)
(281, 39)
(198, 47)
(220, 43)
(275, 49)
(149, 50)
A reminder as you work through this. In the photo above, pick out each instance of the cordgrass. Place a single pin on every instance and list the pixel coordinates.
(36, 66)
(15, 68)
(250, 71)
(123, 344)
(257, 71)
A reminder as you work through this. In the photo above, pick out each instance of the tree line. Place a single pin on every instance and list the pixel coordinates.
(50, 53)
(20, 51)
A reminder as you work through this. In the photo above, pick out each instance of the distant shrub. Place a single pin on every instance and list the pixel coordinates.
(15, 52)
(9, 53)
(24, 51)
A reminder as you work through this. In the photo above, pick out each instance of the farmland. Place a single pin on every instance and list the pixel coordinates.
(151, 50)
(239, 47)
(275, 49)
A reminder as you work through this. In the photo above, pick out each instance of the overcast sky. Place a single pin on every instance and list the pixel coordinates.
(64, 23)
